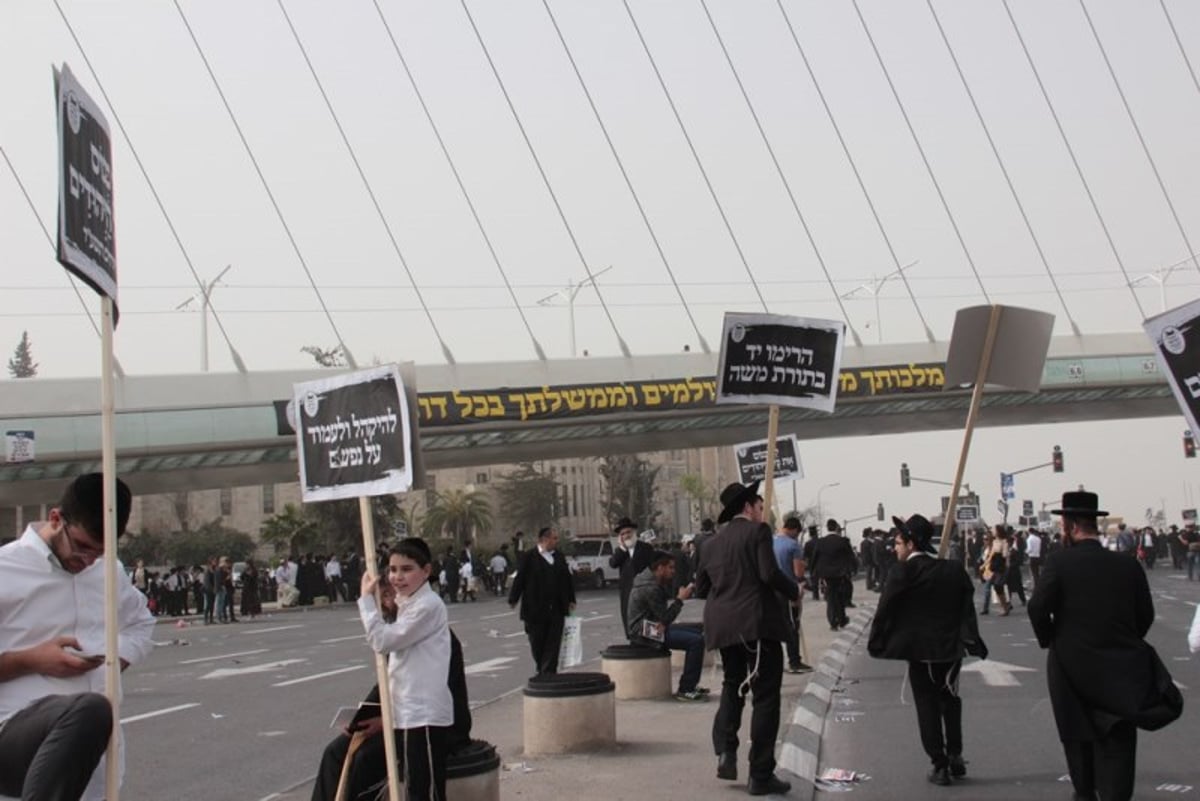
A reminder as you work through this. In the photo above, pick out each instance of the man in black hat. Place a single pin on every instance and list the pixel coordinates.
(746, 618)
(631, 557)
(1092, 608)
(832, 564)
(926, 616)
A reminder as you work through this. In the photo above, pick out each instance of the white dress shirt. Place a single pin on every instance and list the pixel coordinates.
(1033, 546)
(39, 601)
(1194, 634)
(418, 649)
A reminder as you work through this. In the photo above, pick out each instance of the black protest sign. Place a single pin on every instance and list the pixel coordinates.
(1176, 337)
(752, 460)
(777, 359)
(87, 243)
(353, 436)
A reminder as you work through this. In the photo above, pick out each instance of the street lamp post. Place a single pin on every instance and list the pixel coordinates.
(207, 293)
(820, 508)
(569, 293)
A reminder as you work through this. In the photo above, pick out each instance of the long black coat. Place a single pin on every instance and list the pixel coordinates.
(832, 557)
(544, 591)
(1091, 608)
(744, 587)
(926, 613)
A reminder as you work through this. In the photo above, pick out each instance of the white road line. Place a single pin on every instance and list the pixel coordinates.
(345, 639)
(166, 711)
(318, 676)
(518, 634)
(596, 617)
(502, 614)
(273, 628)
(223, 656)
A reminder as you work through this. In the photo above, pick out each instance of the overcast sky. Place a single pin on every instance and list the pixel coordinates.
(158, 85)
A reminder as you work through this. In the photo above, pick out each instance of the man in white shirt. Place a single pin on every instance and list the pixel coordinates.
(333, 575)
(55, 721)
(1033, 549)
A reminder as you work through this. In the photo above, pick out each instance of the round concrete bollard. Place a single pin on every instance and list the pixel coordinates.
(473, 773)
(569, 712)
(640, 672)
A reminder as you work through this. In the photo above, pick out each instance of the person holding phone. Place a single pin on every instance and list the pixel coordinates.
(55, 721)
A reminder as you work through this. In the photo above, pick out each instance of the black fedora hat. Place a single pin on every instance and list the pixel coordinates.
(623, 524)
(735, 497)
(918, 530)
(1080, 504)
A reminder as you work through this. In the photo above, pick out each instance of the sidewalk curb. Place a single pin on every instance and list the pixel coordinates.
(801, 750)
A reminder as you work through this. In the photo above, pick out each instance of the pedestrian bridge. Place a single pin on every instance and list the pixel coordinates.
(208, 430)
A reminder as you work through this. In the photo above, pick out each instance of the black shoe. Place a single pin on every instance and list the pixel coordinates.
(851, 606)
(940, 777)
(772, 785)
(800, 667)
(727, 766)
(958, 768)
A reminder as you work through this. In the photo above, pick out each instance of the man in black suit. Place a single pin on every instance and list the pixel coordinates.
(1092, 608)
(926, 616)
(546, 593)
(745, 617)
(631, 557)
(833, 563)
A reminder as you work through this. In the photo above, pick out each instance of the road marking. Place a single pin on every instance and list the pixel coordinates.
(489, 665)
(318, 676)
(223, 656)
(592, 600)
(345, 639)
(166, 711)
(518, 634)
(502, 614)
(273, 628)
(1180, 686)
(997, 674)
(224, 673)
(596, 617)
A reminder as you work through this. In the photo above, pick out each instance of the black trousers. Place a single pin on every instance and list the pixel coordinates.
(49, 750)
(1104, 768)
(367, 768)
(793, 641)
(763, 659)
(939, 709)
(837, 593)
(417, 750)
(545, 641)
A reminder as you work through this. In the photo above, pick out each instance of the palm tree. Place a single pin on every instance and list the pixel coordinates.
(459, 513)
(288, 530)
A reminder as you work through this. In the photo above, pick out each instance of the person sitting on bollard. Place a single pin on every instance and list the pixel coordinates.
(651, 619)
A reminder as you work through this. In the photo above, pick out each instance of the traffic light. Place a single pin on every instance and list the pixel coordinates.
(879, 512)
(905, 481)
(1057, 459)
(1189, 445)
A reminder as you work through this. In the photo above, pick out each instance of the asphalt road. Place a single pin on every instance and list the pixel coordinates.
(239, 712)
(1010, 741)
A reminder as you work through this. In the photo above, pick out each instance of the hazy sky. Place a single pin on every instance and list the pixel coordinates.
(158, 84)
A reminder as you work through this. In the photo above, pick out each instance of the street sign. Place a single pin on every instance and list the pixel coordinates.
(1027, 508)
(967, 514)
(752, 460)
(1002, 506)
(1007, 491)
(1189, 515)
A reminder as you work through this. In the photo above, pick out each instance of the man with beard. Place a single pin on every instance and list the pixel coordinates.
(632, 556)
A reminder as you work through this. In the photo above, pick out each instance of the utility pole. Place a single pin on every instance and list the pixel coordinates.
(569, 293)
(875, 287)
(206, 291)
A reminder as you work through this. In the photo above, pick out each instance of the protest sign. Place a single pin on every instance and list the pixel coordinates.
(1176, 337)
(778, 359)
(752, 459)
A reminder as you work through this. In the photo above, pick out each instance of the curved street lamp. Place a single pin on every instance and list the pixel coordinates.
(820, 509)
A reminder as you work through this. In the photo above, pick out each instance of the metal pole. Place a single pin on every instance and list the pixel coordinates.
(204, 331)
(571, 293)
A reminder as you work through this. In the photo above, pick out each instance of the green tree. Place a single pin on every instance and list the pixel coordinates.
(629, 489)
(289, 531)
(704, 496)
(206, 541)
(339, 524)
(22, 365)
(149, 546)
(459, 512)
(529, 499)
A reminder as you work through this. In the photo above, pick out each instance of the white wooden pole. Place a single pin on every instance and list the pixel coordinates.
(108, 462)
(985, 361)
(381, 670)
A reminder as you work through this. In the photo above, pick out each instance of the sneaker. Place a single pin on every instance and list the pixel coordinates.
(703, 690)
(691, 695)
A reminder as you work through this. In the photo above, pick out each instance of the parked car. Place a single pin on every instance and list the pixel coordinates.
(238, 569)
(590, 555)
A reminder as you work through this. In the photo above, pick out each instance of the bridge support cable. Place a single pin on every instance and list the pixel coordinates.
(234, 355)
(887, 240)
(462, 187)
(1037, 245)
(54, 250)
(628, 182)
(1179, 43)
(1074, 161)
(391, 235)
(787, 185)
(1137, 129)
(562, 215)
(266, 186)
(695, 155)
(962, 242)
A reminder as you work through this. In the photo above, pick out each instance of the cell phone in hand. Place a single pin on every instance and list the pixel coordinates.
(86, 657)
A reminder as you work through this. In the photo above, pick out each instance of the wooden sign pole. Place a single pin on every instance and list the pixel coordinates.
(381, 667)
(985, 362)
(108, 466)
(769, 479)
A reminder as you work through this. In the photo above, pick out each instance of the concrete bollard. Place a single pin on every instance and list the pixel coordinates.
(473, 773)
(569, 712)
(639, 672)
